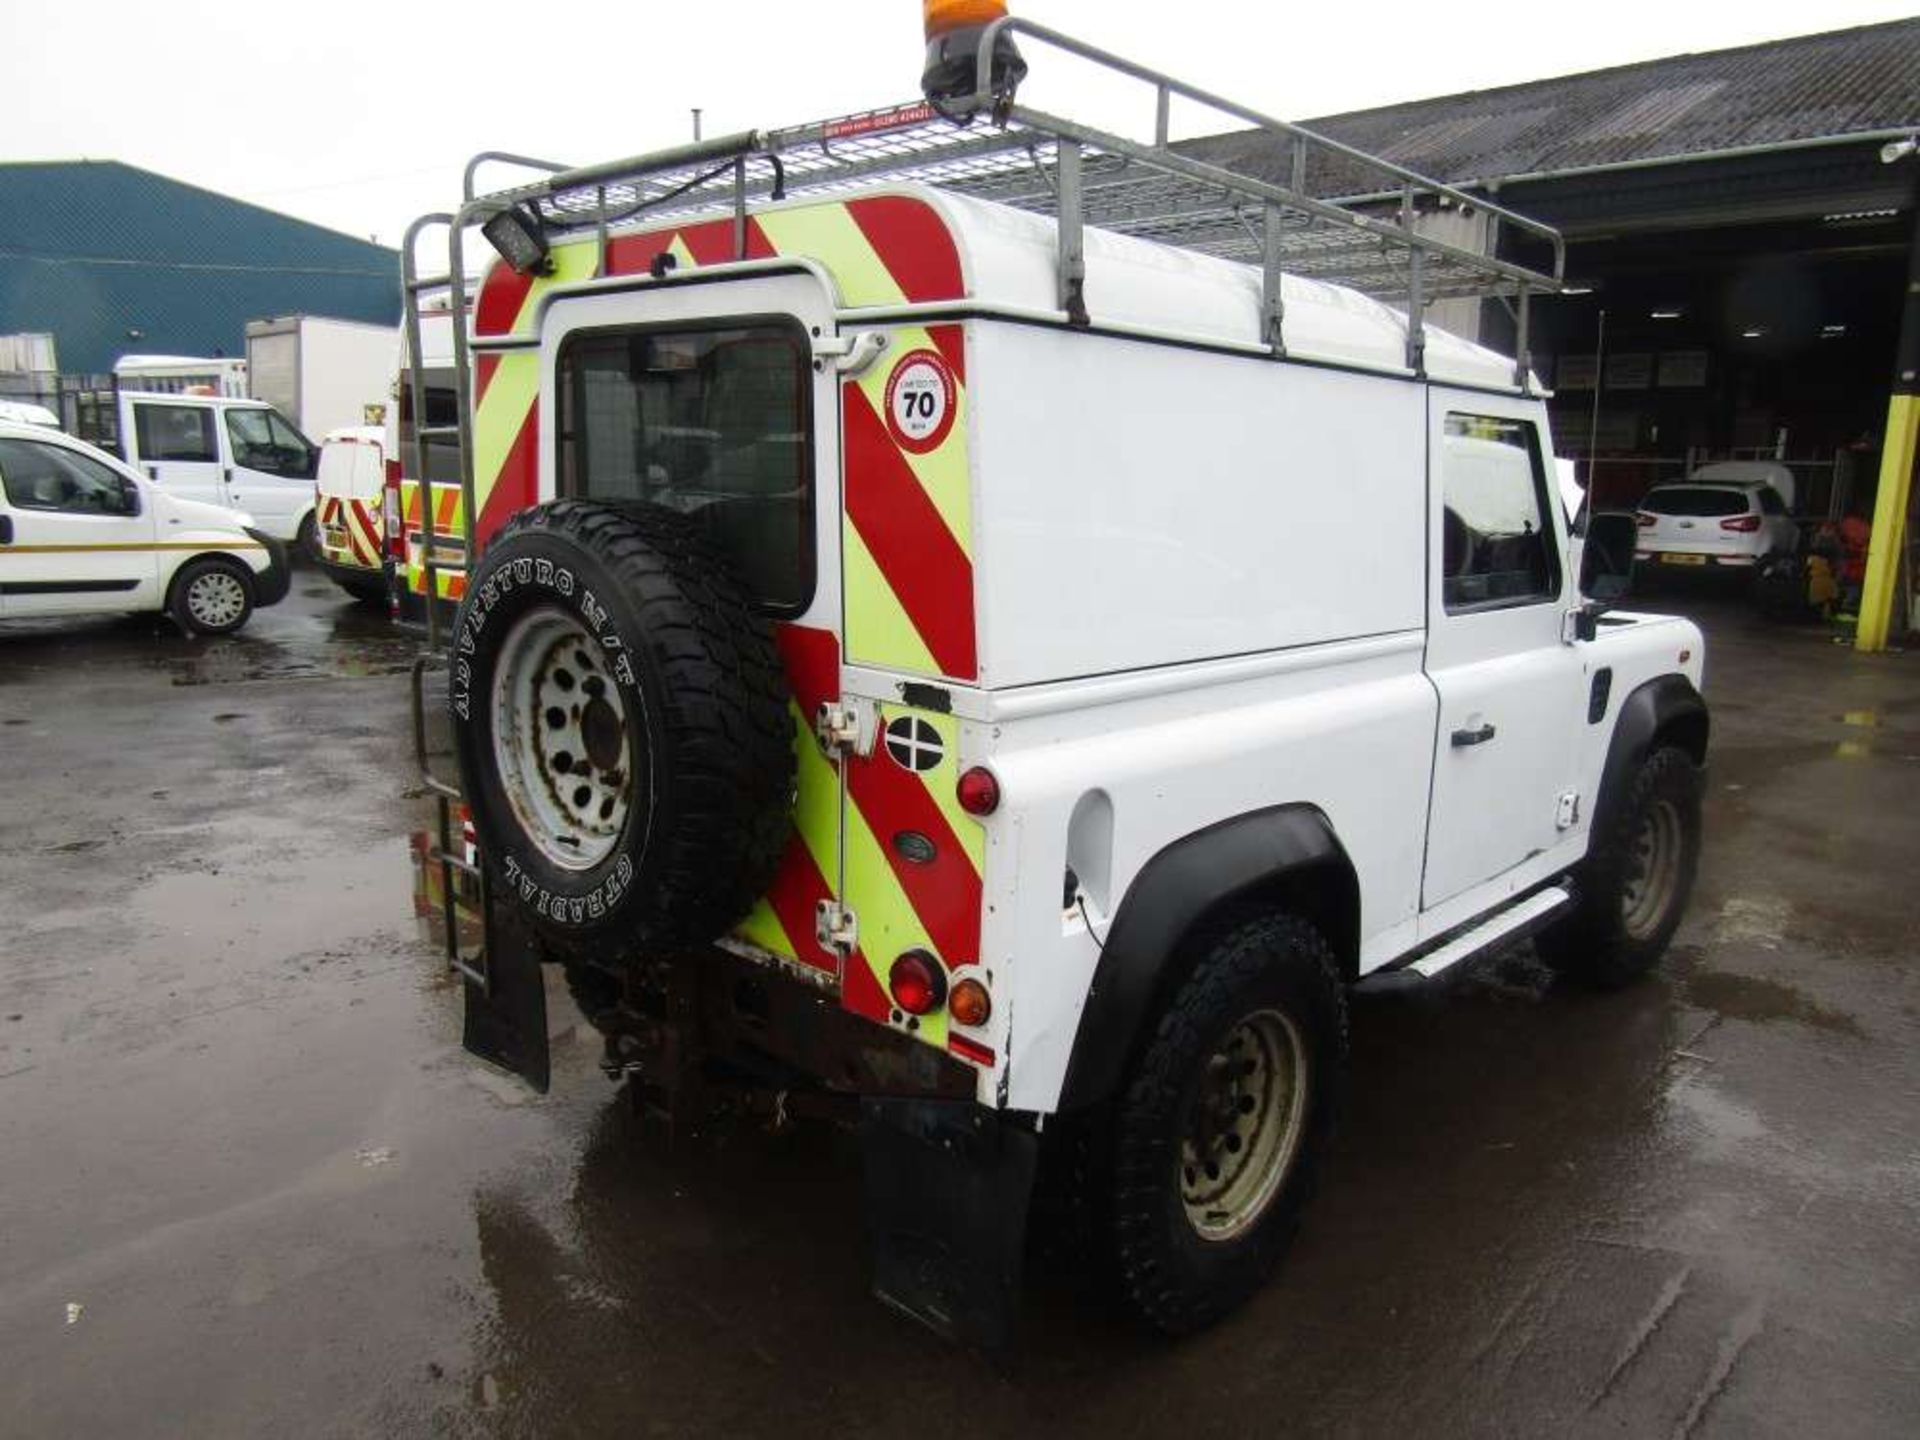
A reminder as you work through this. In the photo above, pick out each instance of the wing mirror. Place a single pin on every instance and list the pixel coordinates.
(1606, 559)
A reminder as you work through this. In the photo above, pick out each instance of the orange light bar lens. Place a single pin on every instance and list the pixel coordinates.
(943, 17)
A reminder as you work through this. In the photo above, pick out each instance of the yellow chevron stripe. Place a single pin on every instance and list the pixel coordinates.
(888, 921)
(830, 233)
(940, 782)
(879, 630)
(514, 392)
(816, 817)
(942, 473)
(571, 263)
(683, 257)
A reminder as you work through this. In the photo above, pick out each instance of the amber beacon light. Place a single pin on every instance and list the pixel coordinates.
(953, 48)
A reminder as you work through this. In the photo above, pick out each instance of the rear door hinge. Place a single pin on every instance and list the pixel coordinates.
(851, 354)
(836, 927)
(847, 727)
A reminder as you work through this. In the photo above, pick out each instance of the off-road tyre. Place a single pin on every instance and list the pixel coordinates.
(704, 738)
(1619, 928)
(1172, 1277)
(213, 596)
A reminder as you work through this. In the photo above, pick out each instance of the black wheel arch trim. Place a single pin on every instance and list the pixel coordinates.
(1239, 859)
(1667, 705)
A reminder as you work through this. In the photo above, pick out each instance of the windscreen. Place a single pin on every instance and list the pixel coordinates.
(714, 424)
(1694, 500)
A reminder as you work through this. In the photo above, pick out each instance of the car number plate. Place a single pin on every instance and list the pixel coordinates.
(336, 537)
(1672, 559)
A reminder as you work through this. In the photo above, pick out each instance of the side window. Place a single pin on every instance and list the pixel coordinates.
(175, 432)
(52, 477)
(1497, 540)
(1770, 501)
(443, 451)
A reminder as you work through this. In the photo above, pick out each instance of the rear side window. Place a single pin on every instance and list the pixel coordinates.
(175, 432)
(443, 409)
(1497, 544)
(713, 423)
(1695, 501)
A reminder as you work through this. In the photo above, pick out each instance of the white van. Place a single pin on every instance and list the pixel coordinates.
(81, 533)
(224, 451)
(347, 491)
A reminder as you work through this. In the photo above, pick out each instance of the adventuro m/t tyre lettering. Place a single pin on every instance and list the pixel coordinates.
(622, 729)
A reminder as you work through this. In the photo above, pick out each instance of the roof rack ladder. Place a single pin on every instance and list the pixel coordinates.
(1072, 257)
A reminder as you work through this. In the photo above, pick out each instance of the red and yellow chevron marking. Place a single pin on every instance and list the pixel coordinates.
(907, 545)
(357, 522)
(881, 250)
(901, 904)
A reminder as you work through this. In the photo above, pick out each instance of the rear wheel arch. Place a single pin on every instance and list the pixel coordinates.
(1193, 891)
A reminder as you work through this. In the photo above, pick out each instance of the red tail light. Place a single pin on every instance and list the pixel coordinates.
(1745, 524)
(393, 538)
(978, 792)
(917, 983)
(1647, 519)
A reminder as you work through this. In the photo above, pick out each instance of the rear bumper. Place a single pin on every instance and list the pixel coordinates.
(270, 585)
(356, 578)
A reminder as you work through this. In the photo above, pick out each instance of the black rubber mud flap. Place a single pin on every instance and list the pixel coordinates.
(506, 1024)
(947, 1188)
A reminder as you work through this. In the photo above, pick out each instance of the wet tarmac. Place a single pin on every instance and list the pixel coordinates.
(249, 1184)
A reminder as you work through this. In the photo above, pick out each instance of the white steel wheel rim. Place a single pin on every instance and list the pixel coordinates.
(1243, 1128)
(562, 744)
(216, 599)
(1653, 870)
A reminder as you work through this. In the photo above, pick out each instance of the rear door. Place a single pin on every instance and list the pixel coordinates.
(76, 535)
(707, 400)
(1511, 689)
(177, 444)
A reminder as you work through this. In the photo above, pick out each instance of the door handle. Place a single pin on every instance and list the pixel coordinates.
(6, 529)
(1463, 738)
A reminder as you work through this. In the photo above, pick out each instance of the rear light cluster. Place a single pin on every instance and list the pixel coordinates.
(393, 538)
(978, 791)
(917, 984)
(1647, 519)
(1745, 524)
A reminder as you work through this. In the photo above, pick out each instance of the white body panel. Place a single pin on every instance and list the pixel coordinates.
(352, 464)
(182, 375)
(320, 373)
(66, 561)
(1740, 522)
(1140, 506)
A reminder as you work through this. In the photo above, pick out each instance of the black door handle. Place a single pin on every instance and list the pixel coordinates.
(1463, 738)
(6, 529)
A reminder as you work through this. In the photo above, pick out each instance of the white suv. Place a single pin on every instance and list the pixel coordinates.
(1715, 518)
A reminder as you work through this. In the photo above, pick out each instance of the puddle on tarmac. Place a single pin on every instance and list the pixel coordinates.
(1745, 997)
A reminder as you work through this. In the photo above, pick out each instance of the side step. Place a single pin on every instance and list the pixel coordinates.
(1516, 921)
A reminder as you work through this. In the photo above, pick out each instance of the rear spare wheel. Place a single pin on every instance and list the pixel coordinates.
(621, 722)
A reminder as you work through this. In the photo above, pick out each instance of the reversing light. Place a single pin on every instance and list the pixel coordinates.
(978, 792)
(516, 234)
(917, 983)
(953, 50)
(970, 1004)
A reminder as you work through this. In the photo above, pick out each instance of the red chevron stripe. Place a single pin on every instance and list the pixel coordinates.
(517, 483)
(944, 893)
(913, 242)
(484, 366)
(950, 341)
(502, 294)
(710, 243)
(798, 886)
(811, 659)
(923, 564)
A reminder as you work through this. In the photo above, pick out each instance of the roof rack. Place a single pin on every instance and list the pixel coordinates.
(1340, 215)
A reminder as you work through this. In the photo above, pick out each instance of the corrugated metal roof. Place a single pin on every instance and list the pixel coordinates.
(95, 251)
(1841, 83)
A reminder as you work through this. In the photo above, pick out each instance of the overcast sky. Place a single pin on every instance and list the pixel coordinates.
(359, 115)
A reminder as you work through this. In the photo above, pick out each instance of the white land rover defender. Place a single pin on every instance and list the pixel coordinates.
(971, 626)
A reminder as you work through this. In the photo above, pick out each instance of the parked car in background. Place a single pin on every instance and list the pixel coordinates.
(1728, 515)
(347, 494)
(219, 450)
(81, 532)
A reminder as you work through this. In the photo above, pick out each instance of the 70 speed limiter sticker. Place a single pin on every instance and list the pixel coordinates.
(922, 397)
